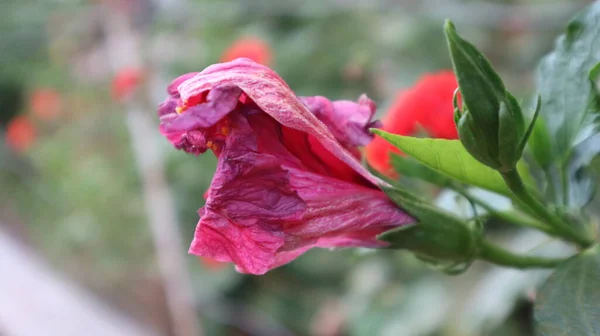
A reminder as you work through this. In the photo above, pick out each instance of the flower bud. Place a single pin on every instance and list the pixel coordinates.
(490, 124)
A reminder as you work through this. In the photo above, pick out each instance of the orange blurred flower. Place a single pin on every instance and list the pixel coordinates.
(45, 104)
(427, 106)
(212, 264)
(250, 47)
(20, 134)
(125, 82)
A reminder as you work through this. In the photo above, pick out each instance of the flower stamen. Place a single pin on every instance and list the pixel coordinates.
(180, 109)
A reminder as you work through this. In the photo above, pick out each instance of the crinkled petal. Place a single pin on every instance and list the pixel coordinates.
(264, 208)
(219, 102)
(172, 88)
(336, 208)
(338, 215)
(251, 248)
(250, 196)
(168, 106)
(184, 130)
(272, 95)
(348, 121)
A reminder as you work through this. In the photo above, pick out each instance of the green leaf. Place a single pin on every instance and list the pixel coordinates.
(450, 158)
(437, 235)
(569, 302)
(563, 80)
(540, 144)
(409, 167)
(491, 124)
(581, 180)
(572, 183)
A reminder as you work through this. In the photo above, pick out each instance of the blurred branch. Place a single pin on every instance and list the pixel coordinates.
(123, 46)
(34, 300)
(163, 224)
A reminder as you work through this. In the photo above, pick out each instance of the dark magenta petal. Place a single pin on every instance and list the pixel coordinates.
(172, 89)
(265, 207)
(348, 121)
(250, 248)
(186, 130)
(168, 106)
(249, 199)
(274, 97)
(340, 208)
(219, 102)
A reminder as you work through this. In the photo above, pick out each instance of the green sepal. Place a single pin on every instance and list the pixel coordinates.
(531, 127)
(438, 236)
(480, 86)
(491, 124)
(510, 132)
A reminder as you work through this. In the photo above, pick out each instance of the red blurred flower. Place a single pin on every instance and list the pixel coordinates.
(45, 104)
(211, 264)
(249, 47)
(20, 134)
(427, 106)
(125, 82)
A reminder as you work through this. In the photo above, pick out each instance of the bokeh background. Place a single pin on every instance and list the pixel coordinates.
(97, 210)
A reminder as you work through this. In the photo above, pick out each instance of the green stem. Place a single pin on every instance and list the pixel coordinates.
(515, 184)
(499, 256)
(509, 217)
(550, 185)
(565, 186)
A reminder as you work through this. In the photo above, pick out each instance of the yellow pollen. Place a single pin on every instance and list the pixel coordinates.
(225, 130)
(209, 144)
(181, 109)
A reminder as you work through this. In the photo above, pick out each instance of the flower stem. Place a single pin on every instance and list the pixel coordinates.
(510, 217)
(515, 184)
(499, 256)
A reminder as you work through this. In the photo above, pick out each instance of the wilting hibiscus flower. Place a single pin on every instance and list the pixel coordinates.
(285, 181)
(426, 106)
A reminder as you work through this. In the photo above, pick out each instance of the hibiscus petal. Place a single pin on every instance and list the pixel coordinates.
(249, 247)
(168, 106)
(219, 102)
(348, 121)
(172, 88)
(338, 207)
(250, 196)
(272, 95)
